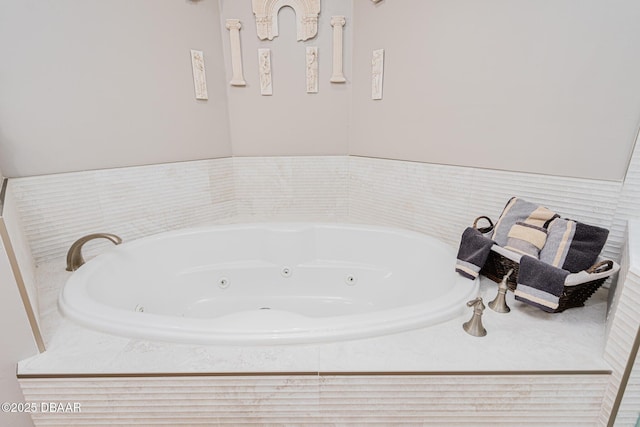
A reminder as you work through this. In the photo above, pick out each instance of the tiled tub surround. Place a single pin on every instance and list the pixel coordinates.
(526, 348)
(130, 202)
(139, 201)
(297, 188)
(531, 367)
(623, 331)
(442, 200)
(439, 200)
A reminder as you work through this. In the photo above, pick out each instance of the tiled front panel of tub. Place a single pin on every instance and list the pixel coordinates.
(438, 400)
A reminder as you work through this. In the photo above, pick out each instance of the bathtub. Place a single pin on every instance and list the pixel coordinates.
(268, 283)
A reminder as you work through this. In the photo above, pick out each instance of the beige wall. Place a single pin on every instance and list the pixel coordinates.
(89, 84)
(550, 87)
(291, 122)
(544, 87)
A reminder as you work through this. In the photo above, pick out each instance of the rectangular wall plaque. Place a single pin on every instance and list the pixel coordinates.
(199, 76)
(377, 73)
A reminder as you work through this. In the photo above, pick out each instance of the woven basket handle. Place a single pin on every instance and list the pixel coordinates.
(483, 230)
(600, 267)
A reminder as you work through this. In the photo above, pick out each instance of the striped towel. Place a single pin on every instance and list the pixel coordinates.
(572, 245)
(526, 239)
(520, 211)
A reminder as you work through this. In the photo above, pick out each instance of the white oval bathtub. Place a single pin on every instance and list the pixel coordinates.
(268, 283)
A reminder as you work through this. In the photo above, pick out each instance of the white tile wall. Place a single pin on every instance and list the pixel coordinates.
(130, 202)
(299, 188)
(442, 200)
(439, 200)
(135, 202)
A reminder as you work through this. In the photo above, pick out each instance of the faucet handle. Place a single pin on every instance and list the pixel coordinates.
(474, 325)
(499, 304)
(503, 283)
(476, 304)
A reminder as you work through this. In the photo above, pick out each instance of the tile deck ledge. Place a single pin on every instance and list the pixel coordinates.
(526, 340)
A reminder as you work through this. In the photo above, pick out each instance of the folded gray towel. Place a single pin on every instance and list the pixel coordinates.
(572, 245)
(472, 253)
(540, 284)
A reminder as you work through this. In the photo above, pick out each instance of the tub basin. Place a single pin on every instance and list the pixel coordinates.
(268, 283)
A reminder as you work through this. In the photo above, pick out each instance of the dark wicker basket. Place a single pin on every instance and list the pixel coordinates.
(498, 266)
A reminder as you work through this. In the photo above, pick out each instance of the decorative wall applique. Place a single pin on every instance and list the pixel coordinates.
(264, 65)
(312, 69)
(266, 12)
(337, 76)
(233, 25)
(199, 77)
(377, 73)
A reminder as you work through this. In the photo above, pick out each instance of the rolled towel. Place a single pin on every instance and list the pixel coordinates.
(518, 210)
(472, 253)
(572, 245)
(540, 284)
(526, 239)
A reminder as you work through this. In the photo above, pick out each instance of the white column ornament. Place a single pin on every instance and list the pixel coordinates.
(312, 69)
(199, 76)
(377, 73)
(233, 25)
(266, 12)
(337, 76)
(264, 64)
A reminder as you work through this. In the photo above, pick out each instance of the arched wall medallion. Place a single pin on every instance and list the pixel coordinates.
(266, 12)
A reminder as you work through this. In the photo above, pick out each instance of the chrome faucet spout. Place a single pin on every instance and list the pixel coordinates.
(74, 255)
